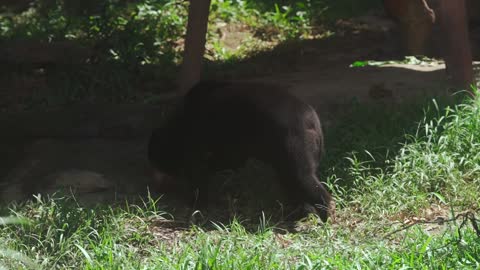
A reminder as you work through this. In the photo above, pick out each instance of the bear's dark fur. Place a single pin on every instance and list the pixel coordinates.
(221, 125)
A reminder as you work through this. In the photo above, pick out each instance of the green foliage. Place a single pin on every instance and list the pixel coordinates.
(64, 235)
(145, 33)
(122, 39)
(139, 33)
(149, 31)
(438, 159)
(322, 10)
(388, 177)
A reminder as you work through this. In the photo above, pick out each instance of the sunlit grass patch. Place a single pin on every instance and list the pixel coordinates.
(397, 200)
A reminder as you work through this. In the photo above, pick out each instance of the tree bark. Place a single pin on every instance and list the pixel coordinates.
(457, 53)
(194, 44)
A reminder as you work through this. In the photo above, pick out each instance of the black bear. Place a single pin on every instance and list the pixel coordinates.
(221, 125)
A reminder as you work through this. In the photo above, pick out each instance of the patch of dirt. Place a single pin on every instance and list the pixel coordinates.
(436, 219)
(233, 36)
(96, 170)
(339, 85)
(168, 231)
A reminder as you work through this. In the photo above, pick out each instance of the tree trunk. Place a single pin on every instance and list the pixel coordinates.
(194, 44)
(457, 53)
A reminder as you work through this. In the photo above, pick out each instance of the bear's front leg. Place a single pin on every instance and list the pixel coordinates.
(197, 176)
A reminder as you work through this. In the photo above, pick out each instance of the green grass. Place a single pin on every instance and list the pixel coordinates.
(385, 167)
(438, 162)
(382, 180)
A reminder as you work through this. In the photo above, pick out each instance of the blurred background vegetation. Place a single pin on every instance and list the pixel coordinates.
(116, 48)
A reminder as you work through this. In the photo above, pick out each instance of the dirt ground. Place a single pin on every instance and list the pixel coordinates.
(100, 151)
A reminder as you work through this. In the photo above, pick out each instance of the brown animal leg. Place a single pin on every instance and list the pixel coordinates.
(416, 19)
